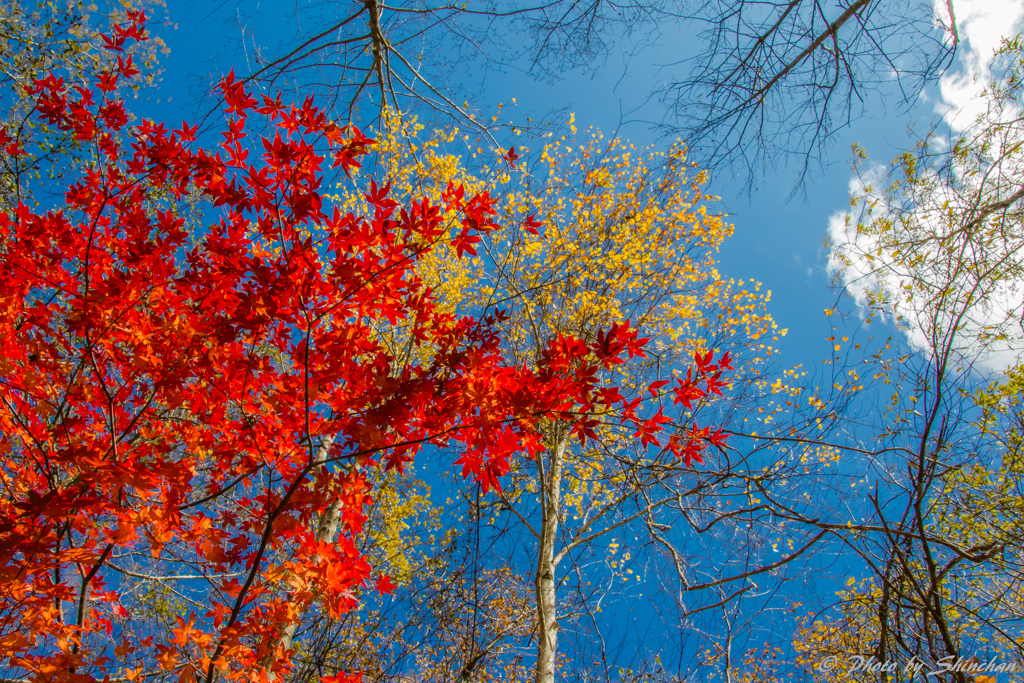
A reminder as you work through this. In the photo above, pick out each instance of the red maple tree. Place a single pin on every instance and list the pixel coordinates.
(195, 408)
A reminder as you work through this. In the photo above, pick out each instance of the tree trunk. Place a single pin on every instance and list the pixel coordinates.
(547, 613)
(327, 530)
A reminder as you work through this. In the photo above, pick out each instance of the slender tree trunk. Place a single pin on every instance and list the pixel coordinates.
(545, 581)
(327, 530)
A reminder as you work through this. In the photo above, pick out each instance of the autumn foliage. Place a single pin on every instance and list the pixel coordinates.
(194, 380)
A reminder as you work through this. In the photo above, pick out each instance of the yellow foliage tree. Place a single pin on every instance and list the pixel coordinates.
(592, 231)
(626, 234)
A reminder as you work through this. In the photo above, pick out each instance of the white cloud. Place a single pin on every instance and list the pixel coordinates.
(912, 288)
(981, 24)
(863, 277)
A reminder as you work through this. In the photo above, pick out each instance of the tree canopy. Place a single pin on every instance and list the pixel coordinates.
(285, 397)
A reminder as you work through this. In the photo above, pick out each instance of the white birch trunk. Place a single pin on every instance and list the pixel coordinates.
(327, 530)
(546, 579)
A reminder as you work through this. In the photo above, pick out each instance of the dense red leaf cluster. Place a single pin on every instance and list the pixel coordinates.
(182, 405)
